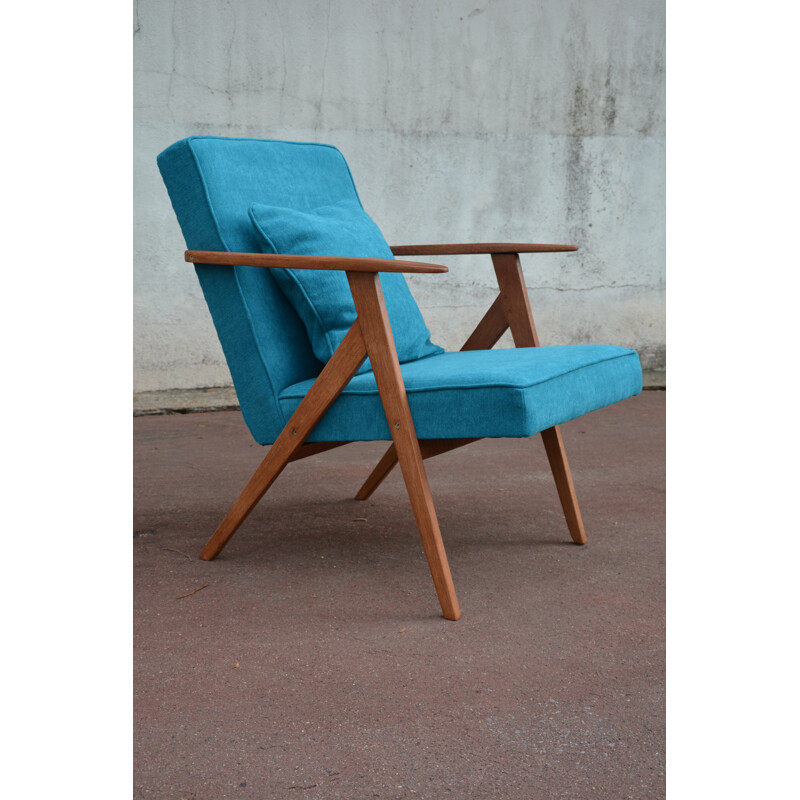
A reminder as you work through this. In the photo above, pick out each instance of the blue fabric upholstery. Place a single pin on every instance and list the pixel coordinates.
(213, 182)
(322, 298)
(484, 393)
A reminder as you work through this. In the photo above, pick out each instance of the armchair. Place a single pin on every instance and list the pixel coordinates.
(296, 336)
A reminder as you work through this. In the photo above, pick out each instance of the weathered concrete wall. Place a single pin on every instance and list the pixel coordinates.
(504, 120)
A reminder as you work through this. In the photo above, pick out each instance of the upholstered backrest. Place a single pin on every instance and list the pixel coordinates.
(211, 182)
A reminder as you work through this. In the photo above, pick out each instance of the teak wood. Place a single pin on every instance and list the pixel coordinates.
(227, 259)
(344, 363)
(371, 337)
(520, 319)
(488, 331)
(511, 309)
(428, 448)
(369, 302)
(313, 448)
(478, 248)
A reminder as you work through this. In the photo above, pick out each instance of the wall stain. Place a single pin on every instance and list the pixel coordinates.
(610, 106)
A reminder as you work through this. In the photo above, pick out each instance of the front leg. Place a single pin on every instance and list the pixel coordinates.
(517, 307)
(374, 321)
(336, 374)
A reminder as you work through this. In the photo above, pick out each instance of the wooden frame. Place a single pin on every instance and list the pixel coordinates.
(371, 337)
(511, 310)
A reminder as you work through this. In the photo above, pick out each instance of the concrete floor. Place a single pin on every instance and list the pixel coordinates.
(310, 659)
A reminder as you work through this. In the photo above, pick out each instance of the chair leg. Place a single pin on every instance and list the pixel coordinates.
(517, 307)
(557, 456)
(264, 476)
(382, 469)
(428, 447)
(334, 377)
(510, 309)
(368, 298)
(419, 493)
(487, 333)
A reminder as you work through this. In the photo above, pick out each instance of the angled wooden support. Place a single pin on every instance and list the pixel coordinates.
(314, 448)
(490, 329)
(374, 321)
(344, 363)
(485, 336)
(559, 466)
(511, 309)
(520, 319)
(428, 448)
(381, 470)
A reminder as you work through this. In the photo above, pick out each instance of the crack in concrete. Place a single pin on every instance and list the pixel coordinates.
(229, 70)
(592, 288)
(536, 288)
(318, 120)
(173, 71)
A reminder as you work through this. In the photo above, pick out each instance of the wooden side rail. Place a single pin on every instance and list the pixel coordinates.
(281, 261)
(511, 309)
(370, 336)
(478, 248)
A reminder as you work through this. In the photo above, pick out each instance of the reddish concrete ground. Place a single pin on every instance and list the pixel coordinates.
(310, 659)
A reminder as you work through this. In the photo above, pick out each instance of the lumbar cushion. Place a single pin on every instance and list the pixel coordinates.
(322, 298)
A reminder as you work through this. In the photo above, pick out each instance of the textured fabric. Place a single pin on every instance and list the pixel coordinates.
(484, 393)
(322, 298)
(212, 181)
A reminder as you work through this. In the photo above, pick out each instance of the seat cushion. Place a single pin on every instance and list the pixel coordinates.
(484, 393)
(322, 298)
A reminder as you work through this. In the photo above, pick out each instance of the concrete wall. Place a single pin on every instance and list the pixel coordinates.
(504, 120)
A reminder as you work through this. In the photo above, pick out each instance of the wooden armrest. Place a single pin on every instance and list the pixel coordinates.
(308, 262)
(478, 248)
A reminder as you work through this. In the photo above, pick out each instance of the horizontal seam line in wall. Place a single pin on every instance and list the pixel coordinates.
(494, 135)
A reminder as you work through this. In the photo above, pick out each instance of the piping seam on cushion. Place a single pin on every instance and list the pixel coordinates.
(374, 391)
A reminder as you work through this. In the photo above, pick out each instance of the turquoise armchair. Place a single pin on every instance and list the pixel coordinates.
(326, 346)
